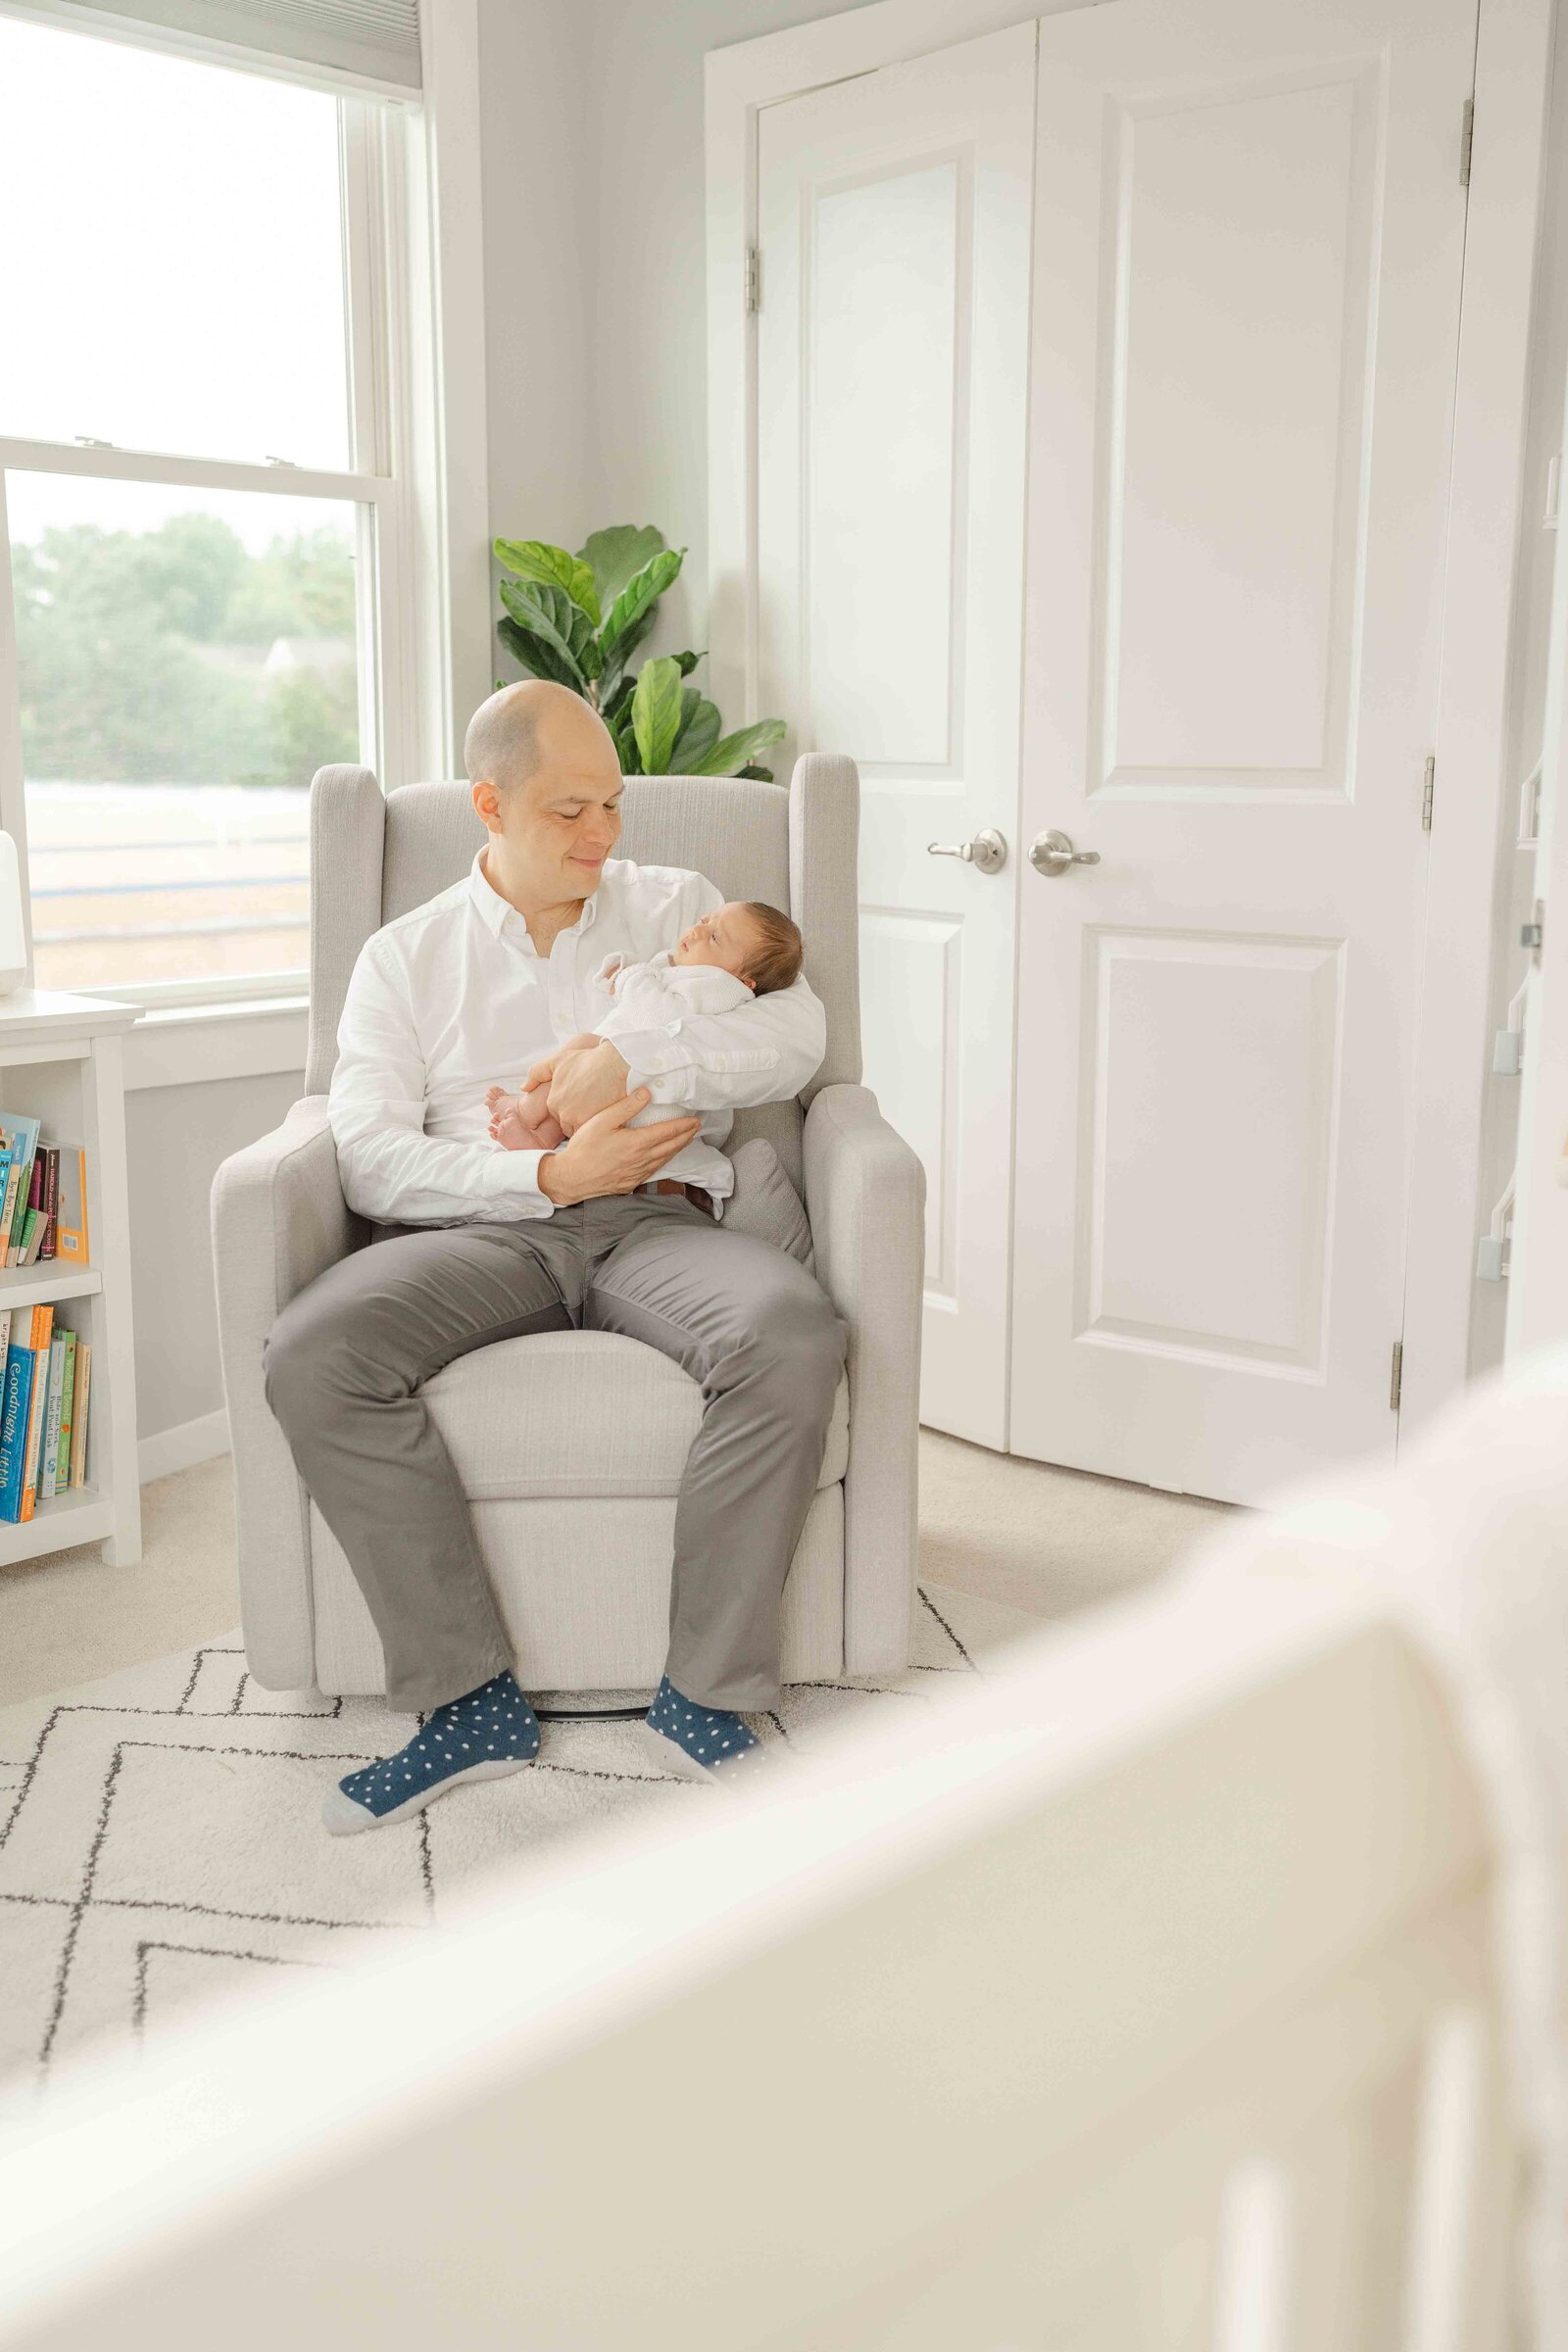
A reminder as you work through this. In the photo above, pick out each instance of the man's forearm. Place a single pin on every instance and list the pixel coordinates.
(399, 1177)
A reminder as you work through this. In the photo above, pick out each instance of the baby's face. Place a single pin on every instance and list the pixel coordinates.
(726, 938)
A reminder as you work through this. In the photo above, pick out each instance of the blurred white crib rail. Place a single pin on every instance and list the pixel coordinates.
(1138, 1998)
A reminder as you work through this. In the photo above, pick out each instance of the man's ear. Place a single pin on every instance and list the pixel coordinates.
(487, 805)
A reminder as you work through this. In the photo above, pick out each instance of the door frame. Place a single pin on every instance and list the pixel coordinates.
(1486, 495)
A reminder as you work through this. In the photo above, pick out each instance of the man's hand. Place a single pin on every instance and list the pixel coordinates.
(606, 1155)
(584, 1076)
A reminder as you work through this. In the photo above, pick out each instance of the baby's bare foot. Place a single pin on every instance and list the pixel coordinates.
(508, 1128)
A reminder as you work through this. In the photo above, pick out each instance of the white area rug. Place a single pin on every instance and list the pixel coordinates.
(161, 1842)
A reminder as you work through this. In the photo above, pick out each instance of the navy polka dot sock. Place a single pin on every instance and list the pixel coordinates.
(479, 1737)
(699, 1743)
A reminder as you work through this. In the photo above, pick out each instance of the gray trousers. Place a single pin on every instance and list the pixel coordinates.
(345, 1362)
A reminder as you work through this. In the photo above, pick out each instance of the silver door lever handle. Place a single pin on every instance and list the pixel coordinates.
(1054, 854)
(987, 852)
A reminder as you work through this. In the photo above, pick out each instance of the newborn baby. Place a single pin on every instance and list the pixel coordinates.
(743, 948)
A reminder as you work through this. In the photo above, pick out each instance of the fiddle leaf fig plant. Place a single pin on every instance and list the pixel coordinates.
(579, 619)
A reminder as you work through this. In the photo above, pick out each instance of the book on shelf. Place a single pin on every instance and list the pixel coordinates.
(43, 1196)
(71, 1206)
(44, 1409)
(48, 1198)
(68, 1396)
(13, 1426)
(18, 1141)
(43, 1318)
(78, 1413)
(48, 1471)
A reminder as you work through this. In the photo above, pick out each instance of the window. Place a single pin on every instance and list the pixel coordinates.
(198, 499)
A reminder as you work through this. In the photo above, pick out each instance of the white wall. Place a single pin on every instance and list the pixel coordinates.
(592, 162)
(176, 1136)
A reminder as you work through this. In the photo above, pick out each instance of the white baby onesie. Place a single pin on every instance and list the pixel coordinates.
(657, 995)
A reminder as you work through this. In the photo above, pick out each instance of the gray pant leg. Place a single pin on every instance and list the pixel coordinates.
(343, 1365)
(763, 1339)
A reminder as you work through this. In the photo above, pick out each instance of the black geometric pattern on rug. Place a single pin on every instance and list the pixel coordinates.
(151, 1949)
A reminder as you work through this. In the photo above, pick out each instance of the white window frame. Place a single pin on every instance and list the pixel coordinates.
(402, 638)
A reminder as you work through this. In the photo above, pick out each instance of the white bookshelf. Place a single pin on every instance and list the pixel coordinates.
(61, 1062)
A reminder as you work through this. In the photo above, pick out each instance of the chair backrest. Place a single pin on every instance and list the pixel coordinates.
(374, 857)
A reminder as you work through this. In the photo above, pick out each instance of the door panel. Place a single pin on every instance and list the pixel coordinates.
(1246, 309)
(894, 227)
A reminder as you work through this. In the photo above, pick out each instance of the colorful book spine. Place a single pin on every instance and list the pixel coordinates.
(31, 1238)
(68, 1397)
(49, 1468)
(71, 1213)
(42, 1327)
(14, 1411)
(7, 1208)
(49, 1198)
(78, 1414)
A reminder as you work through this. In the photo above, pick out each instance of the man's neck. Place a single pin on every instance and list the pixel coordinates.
(545, 921)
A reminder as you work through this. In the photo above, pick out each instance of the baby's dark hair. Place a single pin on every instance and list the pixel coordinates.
(776, 961)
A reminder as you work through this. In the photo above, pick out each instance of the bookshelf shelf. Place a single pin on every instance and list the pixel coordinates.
(33, 1285)
(61, 1062)
(79, 1516)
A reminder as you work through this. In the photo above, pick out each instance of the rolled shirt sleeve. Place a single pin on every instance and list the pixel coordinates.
(390, 1169)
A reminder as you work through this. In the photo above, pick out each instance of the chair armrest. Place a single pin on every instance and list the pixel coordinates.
(865, 1198)
(279, 1220)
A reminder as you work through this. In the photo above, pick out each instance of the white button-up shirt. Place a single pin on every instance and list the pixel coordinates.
(454, 997)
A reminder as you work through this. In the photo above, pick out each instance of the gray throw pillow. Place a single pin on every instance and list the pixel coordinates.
(766, 1204)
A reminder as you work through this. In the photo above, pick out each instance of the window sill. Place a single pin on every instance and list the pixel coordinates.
(192, 1044)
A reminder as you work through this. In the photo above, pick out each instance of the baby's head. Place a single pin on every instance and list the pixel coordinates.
(754, 942)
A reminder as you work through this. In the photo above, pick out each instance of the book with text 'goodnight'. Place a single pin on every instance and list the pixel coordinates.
(14, 1427)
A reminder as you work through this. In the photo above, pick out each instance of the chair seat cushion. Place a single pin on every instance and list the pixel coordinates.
(580, 1413)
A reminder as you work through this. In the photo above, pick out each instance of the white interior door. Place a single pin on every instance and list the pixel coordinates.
(894, 230)
(1246, 316)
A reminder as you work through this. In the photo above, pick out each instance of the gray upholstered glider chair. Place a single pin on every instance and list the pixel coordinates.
(570, 1444)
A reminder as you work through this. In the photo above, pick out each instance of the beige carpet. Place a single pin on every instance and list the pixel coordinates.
(1022, 1534)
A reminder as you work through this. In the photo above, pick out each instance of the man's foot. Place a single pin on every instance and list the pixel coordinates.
(479, 1737)
(700, 1743)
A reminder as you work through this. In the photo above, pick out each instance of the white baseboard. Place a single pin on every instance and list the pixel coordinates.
(188, 1442)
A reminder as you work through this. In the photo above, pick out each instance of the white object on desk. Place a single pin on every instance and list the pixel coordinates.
(62, 1060)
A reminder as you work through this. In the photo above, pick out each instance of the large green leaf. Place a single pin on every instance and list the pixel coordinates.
(553, 567)
(613, 675)
(618, 554)
(640, 593)
(699, 732)
(733, 752)
(535, 656)
(626, 743)
(550, 613)
(656, 714)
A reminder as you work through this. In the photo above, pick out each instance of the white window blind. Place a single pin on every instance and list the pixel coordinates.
(370, 45)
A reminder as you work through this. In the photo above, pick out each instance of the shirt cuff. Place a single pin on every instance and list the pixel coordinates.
(511, 1178)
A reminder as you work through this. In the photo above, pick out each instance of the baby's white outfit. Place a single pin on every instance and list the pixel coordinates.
(657, 995)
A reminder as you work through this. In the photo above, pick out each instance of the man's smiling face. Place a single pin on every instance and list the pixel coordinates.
(548, 785)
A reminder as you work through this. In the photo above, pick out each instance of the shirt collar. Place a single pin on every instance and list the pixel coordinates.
(494, 909)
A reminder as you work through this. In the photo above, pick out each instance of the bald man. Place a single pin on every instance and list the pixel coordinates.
(619, 1229)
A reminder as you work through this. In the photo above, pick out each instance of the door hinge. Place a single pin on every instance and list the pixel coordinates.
(1533, 932)
(1428, 781)
(754, 280)
(1396, 1376)
(1467, 135)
